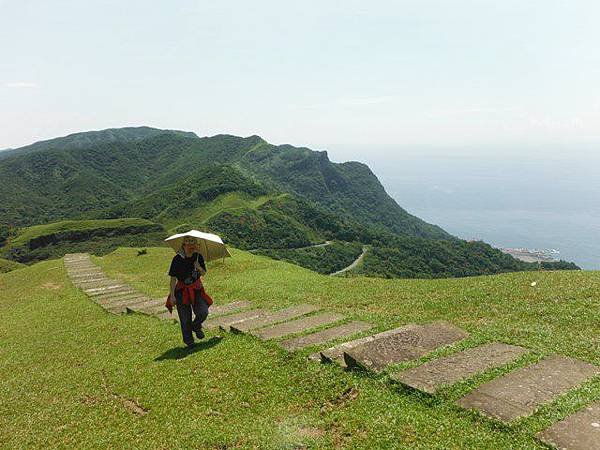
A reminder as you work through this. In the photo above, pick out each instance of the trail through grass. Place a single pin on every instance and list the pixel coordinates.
(73, 375)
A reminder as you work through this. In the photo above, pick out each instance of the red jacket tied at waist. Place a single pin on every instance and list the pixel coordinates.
(188, 293)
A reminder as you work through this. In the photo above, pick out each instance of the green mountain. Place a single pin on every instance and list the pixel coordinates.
(255, 194)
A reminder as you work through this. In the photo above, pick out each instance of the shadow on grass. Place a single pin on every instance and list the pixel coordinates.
(182, 352)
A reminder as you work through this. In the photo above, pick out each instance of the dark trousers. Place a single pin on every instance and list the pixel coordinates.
(188, 325)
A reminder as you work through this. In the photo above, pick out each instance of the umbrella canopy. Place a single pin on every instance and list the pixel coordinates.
(210, 245)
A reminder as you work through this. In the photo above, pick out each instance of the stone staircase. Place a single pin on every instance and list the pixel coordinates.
(517, 394)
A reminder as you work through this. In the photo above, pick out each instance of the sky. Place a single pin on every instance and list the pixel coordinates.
(351, 77)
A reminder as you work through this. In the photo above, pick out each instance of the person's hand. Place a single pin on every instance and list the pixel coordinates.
(172, 298)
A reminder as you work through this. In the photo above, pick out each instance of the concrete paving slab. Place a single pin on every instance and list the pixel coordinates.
(225, 321)
(228, 308)
(153, 306)
(323, 336)
(579, 431)
(104, 302)
(296, 326)
(411, 343)
(520, 393)
(123, 306)
(95, 292)
(446, 371)
(114, 293)
(271, 318)
(336, 353)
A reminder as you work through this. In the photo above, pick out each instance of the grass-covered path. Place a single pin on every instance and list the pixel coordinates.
(74, 376)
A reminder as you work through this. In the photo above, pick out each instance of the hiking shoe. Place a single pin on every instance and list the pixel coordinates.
(191, 345)
(200, 334)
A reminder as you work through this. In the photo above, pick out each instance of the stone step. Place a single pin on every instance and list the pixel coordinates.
(100, 282)
(229, 308)
(225, 321)
(155, 306)
(519, 393)
(408, 343)
(579, 431)
(113, 293)
(270, 318)
(90, 278)
(80, 265)
(446, 371)
(323, 336)
(83, 269)
(115, 299)
(123, 306)
(296, 326)
(86, 275)
(95, 285)
(95, 292)
(76, 260)
(336, 353)
(156, 309)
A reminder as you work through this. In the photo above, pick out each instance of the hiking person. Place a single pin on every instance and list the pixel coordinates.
(186, 290)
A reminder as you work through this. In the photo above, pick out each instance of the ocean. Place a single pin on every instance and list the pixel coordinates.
(532, 201)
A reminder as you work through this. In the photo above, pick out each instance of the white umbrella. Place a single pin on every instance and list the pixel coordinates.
(210, 245)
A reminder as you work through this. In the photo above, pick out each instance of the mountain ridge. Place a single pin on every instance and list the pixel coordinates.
(253, 193)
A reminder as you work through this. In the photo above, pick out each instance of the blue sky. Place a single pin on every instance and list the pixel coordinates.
(347, 77)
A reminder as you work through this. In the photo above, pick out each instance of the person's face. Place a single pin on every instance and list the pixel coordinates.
(189, 245)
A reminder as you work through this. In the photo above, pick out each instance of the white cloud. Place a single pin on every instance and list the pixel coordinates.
(21, 84)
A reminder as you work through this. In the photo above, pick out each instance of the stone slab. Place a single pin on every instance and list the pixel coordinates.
(154, 309)
(136, 299)
(80, 279)
(271, 318)
(446, 371)
(114, 293)
(85, 274)
(101, 282)
(84, 280)
(296, 326)
(81, 265)
(336, 354)
(105, 302)
(519, 393)
(85, 270)
(413, 342)
(95, 292)
(229, 308)
(148, 307)
(323, 336)
(225, 321)
(121, 307)
(579, 431)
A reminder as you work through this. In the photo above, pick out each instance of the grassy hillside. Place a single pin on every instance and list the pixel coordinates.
(98, 236)
(324, 259)
(139, 172)
(6, 265)
(97, 380)
(254, 194)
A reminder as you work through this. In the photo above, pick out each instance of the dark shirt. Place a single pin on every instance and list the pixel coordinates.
(183, 268)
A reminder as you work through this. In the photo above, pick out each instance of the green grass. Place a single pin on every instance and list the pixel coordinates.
(6, 265)
(75, 376)
(232, 200)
